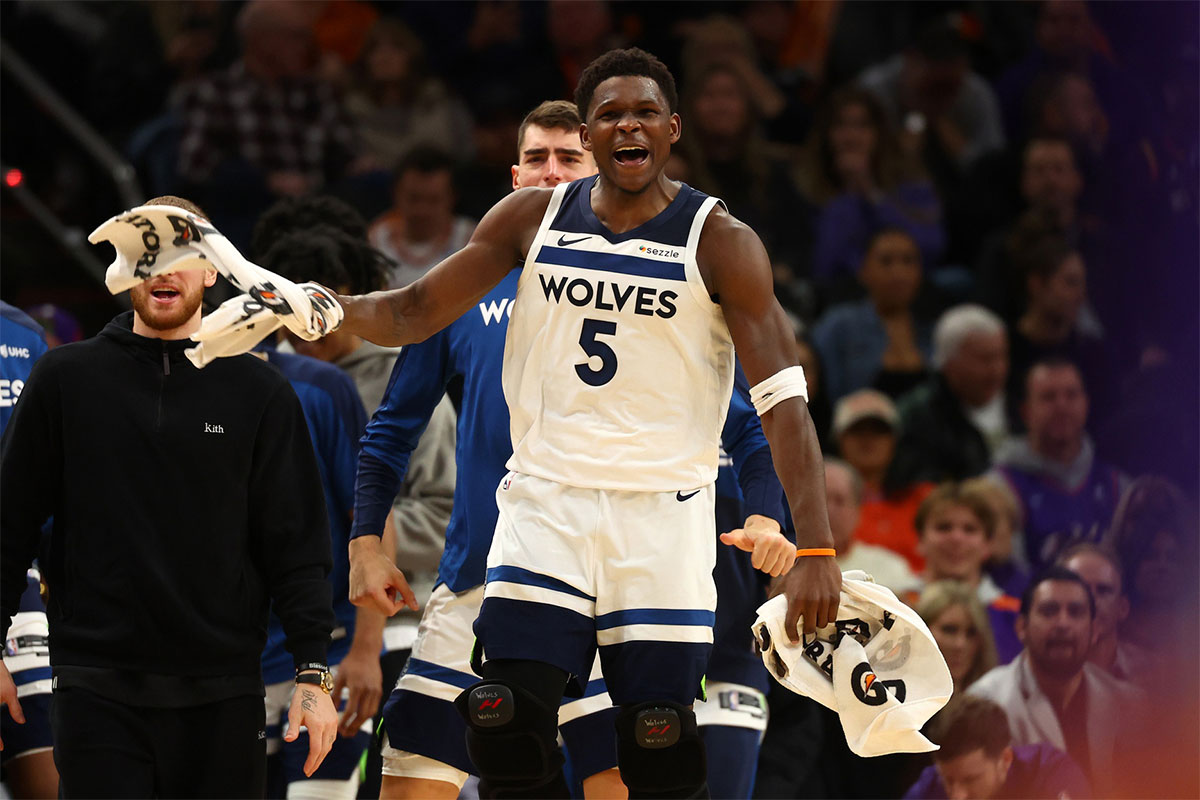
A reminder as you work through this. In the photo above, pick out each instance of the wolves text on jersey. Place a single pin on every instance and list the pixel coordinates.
(646, 301)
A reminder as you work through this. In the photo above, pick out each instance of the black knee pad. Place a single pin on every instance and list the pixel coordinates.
(512, 738)
(660, 752)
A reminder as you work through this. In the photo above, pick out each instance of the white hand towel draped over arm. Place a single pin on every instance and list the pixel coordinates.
(878, 667)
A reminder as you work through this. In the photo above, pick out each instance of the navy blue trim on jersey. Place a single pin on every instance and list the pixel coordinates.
(613, 262)
(525, 577)
(655, 616)
(669, 227)
(24, 676)
(595, 687)
(436, 672)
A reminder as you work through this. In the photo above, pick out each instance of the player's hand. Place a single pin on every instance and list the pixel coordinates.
(813, 589)
(375, 581)
(8, 697)
(359, 673)
(770, 550)
(313, 709)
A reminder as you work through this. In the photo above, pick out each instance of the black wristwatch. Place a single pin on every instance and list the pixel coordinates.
(322, 679)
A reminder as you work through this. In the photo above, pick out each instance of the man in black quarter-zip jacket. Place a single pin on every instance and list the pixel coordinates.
(184, 501)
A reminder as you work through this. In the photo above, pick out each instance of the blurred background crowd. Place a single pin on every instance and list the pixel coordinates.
(982, 219)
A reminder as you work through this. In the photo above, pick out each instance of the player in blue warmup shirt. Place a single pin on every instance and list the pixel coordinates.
(27, 761)
(336, 419)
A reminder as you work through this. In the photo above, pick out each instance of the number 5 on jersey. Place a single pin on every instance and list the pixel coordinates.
(597, 349)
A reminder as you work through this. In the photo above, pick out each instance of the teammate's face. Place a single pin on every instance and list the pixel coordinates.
(975, 775)
(167, 303)
(954, 544)
(550, 156)
(629, 131)
(1112, 607)
(958, 639)
(1058, 629)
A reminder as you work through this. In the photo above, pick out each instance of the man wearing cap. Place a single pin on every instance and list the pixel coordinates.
(865, 427)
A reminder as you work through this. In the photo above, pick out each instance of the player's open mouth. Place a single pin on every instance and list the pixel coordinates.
(631, 155)
(164, 294)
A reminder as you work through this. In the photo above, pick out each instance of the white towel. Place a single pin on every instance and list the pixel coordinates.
(879, 667)
(155, 240)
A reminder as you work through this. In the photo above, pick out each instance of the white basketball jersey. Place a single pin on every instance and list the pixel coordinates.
(618, 366)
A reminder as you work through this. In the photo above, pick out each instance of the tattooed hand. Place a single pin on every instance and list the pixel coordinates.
(313, 710)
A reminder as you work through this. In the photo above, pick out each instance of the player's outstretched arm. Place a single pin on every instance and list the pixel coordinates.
(417, 311)
(736, 269)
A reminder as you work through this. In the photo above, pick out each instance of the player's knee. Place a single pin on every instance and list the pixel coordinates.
(512, 738)
(660, 752)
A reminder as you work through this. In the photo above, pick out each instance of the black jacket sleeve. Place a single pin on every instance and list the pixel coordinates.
(289, 527)
(30, 466)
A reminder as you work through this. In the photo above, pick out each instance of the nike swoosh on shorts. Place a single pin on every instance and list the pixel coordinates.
(680, 496)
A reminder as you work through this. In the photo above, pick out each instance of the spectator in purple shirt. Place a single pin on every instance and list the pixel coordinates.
(977, 760)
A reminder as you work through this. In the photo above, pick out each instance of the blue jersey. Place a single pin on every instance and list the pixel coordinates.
(21, 343)
(336, 419)
(473, 347)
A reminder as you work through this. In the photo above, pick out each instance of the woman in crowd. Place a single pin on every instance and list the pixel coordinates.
(878, 342)
(854, 172)
(961, 628)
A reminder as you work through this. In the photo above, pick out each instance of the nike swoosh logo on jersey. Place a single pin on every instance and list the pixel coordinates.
(680, 496)
(563, 241)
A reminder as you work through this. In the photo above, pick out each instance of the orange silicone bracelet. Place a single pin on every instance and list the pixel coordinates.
(816, 551)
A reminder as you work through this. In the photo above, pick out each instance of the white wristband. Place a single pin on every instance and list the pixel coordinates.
(782, 385)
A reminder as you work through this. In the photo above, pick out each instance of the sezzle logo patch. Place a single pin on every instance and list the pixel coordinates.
(660, 252)
(8, 351)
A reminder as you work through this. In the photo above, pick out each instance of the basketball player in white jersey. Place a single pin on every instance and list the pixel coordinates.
(618, 369)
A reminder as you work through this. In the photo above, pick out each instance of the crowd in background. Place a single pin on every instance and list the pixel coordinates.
(982, 220)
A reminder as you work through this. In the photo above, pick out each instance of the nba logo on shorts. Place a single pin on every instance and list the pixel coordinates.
(504, 484)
